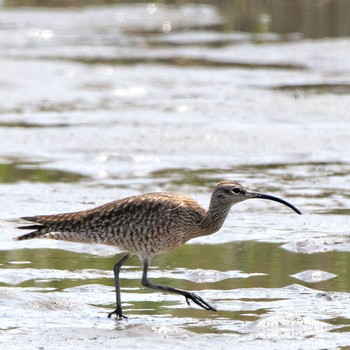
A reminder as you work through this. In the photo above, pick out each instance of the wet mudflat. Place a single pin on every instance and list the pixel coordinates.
(100, 103)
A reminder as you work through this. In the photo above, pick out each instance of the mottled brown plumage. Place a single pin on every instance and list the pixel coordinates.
(145, 225)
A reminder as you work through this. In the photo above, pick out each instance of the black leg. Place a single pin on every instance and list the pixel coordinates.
(117, 266)
(188, 295)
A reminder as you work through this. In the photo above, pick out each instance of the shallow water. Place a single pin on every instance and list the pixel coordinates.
(105, 102)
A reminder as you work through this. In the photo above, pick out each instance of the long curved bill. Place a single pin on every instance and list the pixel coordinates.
(272, 198)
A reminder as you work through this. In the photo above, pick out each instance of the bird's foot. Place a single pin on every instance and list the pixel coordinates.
(199, 301)
(118, 313)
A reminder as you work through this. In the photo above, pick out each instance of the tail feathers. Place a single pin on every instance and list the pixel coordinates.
(30, 227)
(39, 229)
(30, 235)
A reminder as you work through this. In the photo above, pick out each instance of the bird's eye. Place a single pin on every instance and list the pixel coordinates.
(236, 190)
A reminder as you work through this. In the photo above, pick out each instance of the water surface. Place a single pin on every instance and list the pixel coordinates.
(99, 103)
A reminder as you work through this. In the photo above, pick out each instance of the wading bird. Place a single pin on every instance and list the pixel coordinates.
(146, 225)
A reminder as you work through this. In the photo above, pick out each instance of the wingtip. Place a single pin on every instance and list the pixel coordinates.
(28, 218)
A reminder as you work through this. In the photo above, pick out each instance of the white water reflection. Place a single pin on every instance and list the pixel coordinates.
(314, 276)
(288, 326)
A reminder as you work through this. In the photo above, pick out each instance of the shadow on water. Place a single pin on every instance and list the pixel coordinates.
(15, 171)
(26, 125)
(338, 89)
(183, 62)
(313, 19)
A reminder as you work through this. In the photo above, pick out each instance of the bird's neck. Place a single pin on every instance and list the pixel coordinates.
(216, 216)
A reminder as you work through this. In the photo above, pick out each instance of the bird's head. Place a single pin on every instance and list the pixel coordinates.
(229, 193)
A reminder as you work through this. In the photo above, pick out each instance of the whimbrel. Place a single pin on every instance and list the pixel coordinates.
(145, 225)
